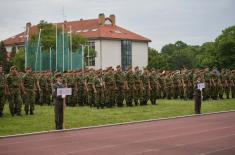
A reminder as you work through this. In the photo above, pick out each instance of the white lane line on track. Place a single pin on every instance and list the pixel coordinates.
(209, 152)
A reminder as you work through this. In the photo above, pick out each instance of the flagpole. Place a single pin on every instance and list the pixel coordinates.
(26, 46)
(50, 58)
(68, 58)
(39, 36)
(63, 47)
(82, 57)
(71, 49)
(40, 62)
(56, 48)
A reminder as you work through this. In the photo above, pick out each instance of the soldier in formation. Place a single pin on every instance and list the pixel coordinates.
(112, 87)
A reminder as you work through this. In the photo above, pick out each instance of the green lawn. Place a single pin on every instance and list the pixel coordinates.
(75, 117)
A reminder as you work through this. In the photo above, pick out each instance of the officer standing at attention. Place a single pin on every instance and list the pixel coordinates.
(197, 95)
(59, 102)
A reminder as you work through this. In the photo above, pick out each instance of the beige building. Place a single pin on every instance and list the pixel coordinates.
(113, 44)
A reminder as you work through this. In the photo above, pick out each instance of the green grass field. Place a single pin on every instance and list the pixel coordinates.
(76, 117)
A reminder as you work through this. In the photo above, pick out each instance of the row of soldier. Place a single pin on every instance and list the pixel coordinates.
(111, 87)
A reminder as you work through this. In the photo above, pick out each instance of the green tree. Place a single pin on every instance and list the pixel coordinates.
(19, 60)
(3, 52)
(225, 47)
(48, 35)
(206, 56)
(157, 60)
(3, 58)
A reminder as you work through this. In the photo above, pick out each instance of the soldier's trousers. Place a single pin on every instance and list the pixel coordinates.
(168, 92)
(175, 92)
(227, 91)
(37, 98)
(129, 96)
(2, 102)
(59, 114)
(29, 101)
(81, 97)
(119, 97)
(206, 91)
(190, 92)
(48, 97)
(181, 92)
(43, 96)
(197, 106)
(91, 98)
(99, 98)
(153, 96)
(214, 92)
(72, 99)
(15, 102)
(233, 91)
(145, 96)
(109, 97)
(220, 91)
(137, 96)
(86, 98)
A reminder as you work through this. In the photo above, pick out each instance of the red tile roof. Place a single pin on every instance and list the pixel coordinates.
(90, 29)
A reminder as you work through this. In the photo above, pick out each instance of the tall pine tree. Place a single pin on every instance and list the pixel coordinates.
(3, 58)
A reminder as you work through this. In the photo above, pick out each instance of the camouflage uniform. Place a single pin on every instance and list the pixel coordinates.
(72, 99)
(168, 86)
(2, 96)
(44, 89)
(233, 84)
(138, 85)
(29, 81)
(153, 83)
(207, 81)
(190, 86)
(185, 86)
(226, 84)
(146, 88)
(99, 95)
(214, 87)
(175, 86)
(180, 86)
(37, 92)
(79, 81)
(91, 92)
(119, 94)
(49, 89)
(109, 89)
(15, 101)
(130, 92)
(162, 92)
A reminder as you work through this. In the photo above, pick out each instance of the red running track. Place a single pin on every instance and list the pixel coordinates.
(199, 135)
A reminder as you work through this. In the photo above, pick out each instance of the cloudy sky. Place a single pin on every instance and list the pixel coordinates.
(163, 21)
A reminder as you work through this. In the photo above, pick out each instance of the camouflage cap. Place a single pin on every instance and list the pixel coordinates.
(109, 68)
(129, 67)
(12, 67)
(27, 68)
(58, 75)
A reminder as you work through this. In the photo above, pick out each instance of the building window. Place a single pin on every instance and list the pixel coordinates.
(90, 58)
(126, 47)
